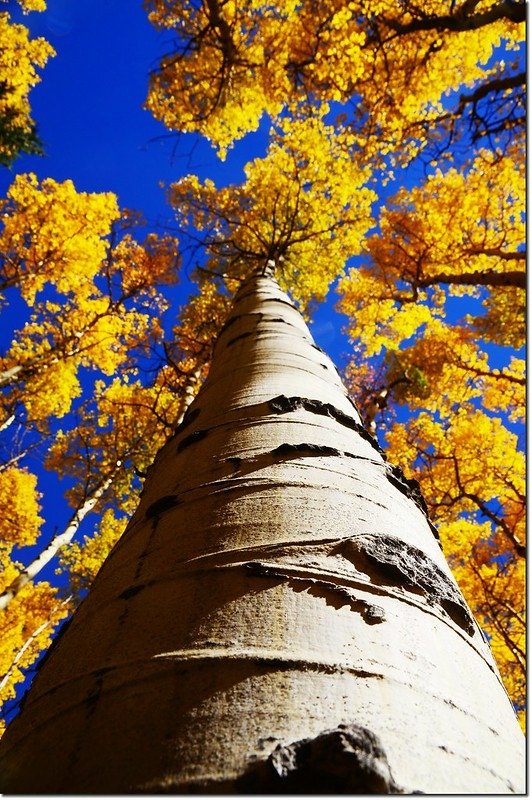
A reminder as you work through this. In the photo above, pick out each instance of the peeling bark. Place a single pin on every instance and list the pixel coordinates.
(278, 615)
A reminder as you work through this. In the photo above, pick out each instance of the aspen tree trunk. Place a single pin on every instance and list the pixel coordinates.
(51, 550)
(278, 616)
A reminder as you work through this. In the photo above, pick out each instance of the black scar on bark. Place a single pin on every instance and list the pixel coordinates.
(252, 293)
(308, 448)
(259, 570)
(192, 438)
(348, 759)
(131, 591)
(411, 489)
(162, 505)
(435, 531)
(408, 486)
(351, 400)
(261, 317)
(239, 297)
(287, 449)
(271, 318)
(283, 405)
(235, 462)
(402, 564)
(229, 321)
(282, 302)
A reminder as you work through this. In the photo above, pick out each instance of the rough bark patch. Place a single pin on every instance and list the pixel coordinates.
(309, 448)
(411, 489)
(401, 564)
(408, 486)
(349, 759)
(306, 448)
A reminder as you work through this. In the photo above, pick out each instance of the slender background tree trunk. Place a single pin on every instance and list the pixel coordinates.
(278, 615)
(51, 550)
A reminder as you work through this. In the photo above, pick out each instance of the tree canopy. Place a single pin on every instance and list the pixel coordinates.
(394, 171)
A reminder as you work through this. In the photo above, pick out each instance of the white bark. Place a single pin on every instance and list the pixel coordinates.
(49, 552)
(8, 375)
(5, 425)
(278, 616)
(30, 640)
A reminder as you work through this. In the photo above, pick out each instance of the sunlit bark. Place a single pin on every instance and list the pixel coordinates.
(278, 616)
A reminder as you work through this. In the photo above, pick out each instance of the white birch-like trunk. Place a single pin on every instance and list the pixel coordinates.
(52, 549)
(278, 616)
(30, 640)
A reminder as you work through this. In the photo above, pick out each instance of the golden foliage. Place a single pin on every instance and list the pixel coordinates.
(83, 560)
(53, 235)
(462, 230)
(56, 237)
(32, 5)
(26, 629)
(234, 62)
(303, 205)
(19, 507)
(20, 57)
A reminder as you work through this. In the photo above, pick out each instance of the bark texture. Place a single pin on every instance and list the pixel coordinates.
(278, 616)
